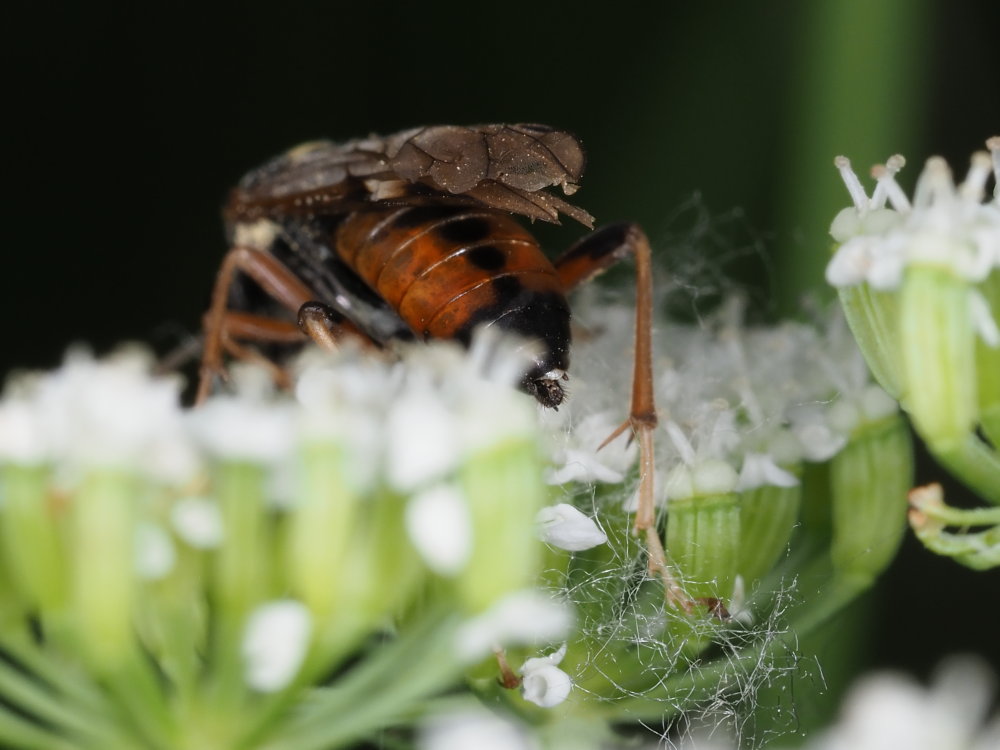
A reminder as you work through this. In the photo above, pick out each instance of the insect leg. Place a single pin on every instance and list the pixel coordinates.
(583, 261)
(223, 326)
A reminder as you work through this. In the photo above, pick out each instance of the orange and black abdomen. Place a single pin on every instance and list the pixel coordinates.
(447, 270)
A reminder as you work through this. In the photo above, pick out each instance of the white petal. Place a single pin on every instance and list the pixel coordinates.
(274, 644)
(154, 552)
(242, 429)
(22, 435)
(438, 524)
(760, 470)
(423, 442)
(524, 617)
(198, 521)
(713, 477)
(850, 264)
(983, 319)
(566, 527)
(546, 686)
(475, 729)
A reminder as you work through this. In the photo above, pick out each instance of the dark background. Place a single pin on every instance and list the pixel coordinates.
(127, 125)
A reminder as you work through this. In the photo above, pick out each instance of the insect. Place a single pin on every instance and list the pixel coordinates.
(413, 235)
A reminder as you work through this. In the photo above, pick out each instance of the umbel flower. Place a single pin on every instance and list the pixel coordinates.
(920, 285)
(309, 569)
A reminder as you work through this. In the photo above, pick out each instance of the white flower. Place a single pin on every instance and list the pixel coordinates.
(760, 470)
(475, 728)
(250, 425)
(22, 436)
(892, 711)
(154, 551)
(581, 459)
(819, 439)
(275, 642)
(423, 441)
(566, 527)
(524, 617)
(438, 524)
(198, 521)
(947, 225)
(109, 413)
(543, 683)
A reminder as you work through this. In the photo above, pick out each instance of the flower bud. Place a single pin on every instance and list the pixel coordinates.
(938, 347)
(873, 316)
(503, 486)
(767, 518)
(32, 550)
(104, 578)
(320, 527)
(869, 480)
(703, 540)
(988, 362)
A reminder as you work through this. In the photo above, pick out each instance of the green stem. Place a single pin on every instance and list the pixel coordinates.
(27, 694)
(16, 732)
(139, 693)
(962, 516)
(384, 688)
(58, 675)
(973, 463)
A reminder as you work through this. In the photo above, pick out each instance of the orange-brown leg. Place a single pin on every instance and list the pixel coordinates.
(223, 327)
(583, 261)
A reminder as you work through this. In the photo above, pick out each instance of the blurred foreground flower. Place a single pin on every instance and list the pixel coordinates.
(191, 579)
(888, 710)
(304, 572)
(920, 286)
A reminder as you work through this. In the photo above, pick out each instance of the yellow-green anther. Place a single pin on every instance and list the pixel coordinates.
(869, 480)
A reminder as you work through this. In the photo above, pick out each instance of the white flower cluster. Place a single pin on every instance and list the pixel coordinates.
(947, 225)
(411, 422)
(740, 407)
(408, 424)
(90, 413)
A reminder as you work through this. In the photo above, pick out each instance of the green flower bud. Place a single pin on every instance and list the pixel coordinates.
(869, 480)
(240, 563)
(502, 484)
(703, 541)
(938, 347)
(320, 528)
(102, 544)
(873, 316)
(767, 518)
(32, 549)
(988, 363)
